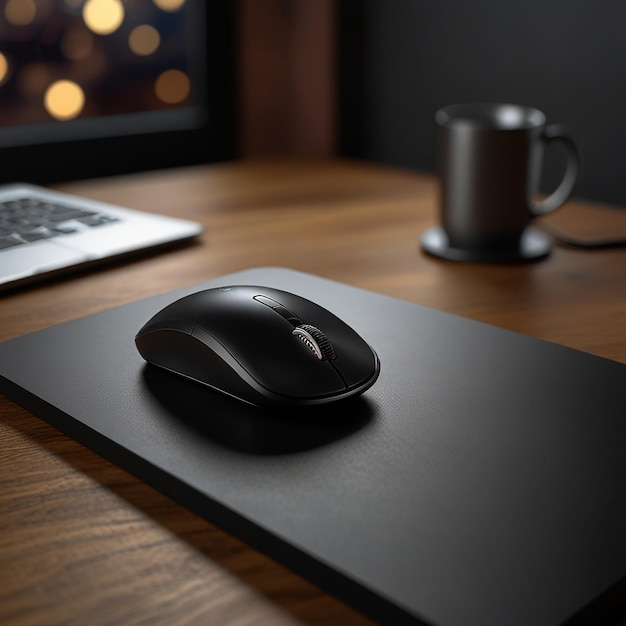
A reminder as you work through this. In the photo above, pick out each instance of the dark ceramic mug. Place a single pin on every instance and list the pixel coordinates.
(490, 157)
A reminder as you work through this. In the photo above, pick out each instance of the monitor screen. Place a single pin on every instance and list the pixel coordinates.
(96, 87)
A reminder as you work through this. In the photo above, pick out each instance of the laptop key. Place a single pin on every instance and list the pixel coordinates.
(9, 242)
(61, 229)
(64, 214)
(96, 220)
(37, 235)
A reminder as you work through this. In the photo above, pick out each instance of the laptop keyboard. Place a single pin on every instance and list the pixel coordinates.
(27, 219)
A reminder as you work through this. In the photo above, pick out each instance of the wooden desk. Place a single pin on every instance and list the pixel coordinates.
(83, 542)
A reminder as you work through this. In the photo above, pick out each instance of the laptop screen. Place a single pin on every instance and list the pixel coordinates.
(92, 87)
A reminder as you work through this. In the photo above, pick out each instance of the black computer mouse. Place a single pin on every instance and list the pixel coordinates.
(260, 345)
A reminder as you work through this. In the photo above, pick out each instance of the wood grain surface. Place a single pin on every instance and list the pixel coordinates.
(83, 542)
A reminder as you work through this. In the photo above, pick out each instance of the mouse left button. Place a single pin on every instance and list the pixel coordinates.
(161, 324)
(277, 307)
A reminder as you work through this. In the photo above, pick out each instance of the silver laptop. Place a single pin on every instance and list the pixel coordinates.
(44, 232)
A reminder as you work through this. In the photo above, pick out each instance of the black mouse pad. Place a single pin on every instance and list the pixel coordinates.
(480, 481)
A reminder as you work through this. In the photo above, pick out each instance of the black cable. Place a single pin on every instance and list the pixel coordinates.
(576, 242)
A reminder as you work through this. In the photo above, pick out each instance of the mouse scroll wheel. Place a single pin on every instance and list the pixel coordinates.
(314, 339)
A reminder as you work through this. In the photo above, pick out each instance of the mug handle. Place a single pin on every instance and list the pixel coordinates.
(564, 190)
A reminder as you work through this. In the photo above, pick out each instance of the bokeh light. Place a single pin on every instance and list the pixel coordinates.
(20, 12)
(4, 68)
(103, 17)
(169, 5)
(144, 40)
(64, 100)
(172, 86)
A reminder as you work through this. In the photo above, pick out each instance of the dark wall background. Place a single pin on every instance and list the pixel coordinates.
(401, 60)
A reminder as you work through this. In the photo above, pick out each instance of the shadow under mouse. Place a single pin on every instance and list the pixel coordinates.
(253, 430)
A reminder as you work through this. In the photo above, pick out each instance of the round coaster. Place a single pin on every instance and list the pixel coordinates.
(533, 245)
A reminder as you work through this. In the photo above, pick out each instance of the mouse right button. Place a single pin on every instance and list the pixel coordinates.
(356, 362)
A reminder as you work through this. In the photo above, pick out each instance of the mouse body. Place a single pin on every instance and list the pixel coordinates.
(260, 345)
